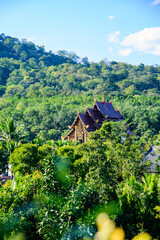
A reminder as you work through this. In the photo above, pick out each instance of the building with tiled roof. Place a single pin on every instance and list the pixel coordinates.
(92, 120)
(153, 155)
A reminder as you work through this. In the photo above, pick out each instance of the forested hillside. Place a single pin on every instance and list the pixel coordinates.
(45, 91)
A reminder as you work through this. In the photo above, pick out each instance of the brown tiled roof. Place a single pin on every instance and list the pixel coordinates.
(95, 115)
(88, 122)
(106, 109)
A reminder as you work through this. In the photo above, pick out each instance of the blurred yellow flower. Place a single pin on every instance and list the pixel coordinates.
(105, 227)
(108, 231)
(142, 236)
(117, 234)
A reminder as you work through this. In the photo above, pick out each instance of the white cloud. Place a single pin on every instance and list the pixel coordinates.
(113, 37)
(125, 52)
(111, 17)
(156, 2)
(147, 41)
(110, 49)
(155, 51)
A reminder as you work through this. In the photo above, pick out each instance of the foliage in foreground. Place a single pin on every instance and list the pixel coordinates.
(59, 196)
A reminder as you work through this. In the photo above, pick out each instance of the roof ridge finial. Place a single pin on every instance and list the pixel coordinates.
(103, 99)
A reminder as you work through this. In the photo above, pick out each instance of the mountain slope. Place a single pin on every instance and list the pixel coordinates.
(46, 90)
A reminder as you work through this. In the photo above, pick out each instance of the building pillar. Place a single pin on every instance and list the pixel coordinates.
(85, 136)
(75, 134)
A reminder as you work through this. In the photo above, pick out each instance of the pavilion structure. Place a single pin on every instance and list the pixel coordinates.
(92, 120)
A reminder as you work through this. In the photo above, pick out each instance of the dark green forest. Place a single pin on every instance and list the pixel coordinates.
(60, 187)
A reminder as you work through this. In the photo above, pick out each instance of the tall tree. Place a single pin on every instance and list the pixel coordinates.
(11, 134)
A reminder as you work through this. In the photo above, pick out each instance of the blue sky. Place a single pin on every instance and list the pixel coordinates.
(124, 31)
